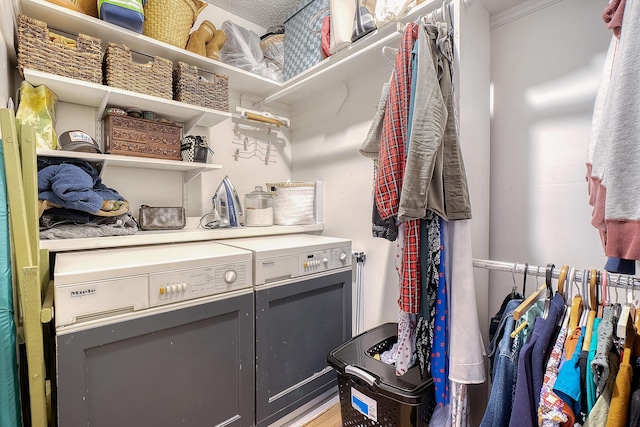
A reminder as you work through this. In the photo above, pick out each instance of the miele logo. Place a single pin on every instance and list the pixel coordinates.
(82, 293)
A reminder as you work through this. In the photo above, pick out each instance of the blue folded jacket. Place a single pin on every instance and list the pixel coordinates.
(71, 187)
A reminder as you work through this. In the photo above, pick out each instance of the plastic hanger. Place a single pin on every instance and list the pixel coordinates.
(547, 282)
(593, 307)
(625, 314)
(630, 335)
(514, 289)
(585, 298)
(531, 299)
(604, 287)
(524, 280)
(575, 311)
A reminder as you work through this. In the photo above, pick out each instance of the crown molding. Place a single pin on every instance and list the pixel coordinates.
(520, 11)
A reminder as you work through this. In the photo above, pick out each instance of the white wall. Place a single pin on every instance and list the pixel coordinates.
(325, 148)
(545, 70)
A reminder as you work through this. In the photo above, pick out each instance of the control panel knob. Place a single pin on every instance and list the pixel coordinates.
(174, 288)
(230, 276)
(325, 260)
(342, 256)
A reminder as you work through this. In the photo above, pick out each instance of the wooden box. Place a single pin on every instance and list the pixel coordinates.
(139, 137)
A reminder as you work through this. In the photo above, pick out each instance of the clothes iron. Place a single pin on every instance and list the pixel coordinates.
(226, 206)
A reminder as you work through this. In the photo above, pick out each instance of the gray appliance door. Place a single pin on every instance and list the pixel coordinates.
(297, 325)
(185, 367)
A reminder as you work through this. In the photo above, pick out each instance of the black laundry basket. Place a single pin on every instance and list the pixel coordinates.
(369, 386)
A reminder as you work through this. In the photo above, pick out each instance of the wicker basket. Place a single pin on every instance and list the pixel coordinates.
(88, 7)
(36, 50)
(190, 88)
(151, 79)
(170, 21)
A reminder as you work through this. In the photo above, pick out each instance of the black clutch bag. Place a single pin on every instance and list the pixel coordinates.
(161, 218)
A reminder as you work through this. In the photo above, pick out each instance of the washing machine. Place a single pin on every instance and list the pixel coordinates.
(155, 336)
(303, 307)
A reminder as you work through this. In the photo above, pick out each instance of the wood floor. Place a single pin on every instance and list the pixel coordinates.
(329, 418)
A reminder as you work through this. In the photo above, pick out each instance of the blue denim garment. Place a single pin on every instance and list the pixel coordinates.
(505, 367)
(521, 414)
(544, 345)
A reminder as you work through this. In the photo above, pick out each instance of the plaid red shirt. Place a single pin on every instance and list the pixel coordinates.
(391, 164)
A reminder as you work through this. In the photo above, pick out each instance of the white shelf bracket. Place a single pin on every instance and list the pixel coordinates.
(190, 124)
(190, 174)
(102, 106)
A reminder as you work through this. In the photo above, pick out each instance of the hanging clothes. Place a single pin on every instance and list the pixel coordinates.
(550, 408)
(567, 385)
(391, 170)
(598, 415)
(430, 268)
(505, 350)
(531, 369)
(466, 349)
(616, 158)
(634, 405)
(434, 176)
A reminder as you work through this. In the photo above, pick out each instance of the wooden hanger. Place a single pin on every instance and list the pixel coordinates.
(593, 307)
(531, 299)
(628, 342)
(563, 320)
(561, 279)
(576, 304)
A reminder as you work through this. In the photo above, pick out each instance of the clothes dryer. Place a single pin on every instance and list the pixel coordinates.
(303, 306)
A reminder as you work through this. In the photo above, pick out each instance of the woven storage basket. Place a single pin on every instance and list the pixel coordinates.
(293, 202)
(189, 88)
(37, 51)
(170, 21)
(303, 42)
(151, 79)
(88, 7)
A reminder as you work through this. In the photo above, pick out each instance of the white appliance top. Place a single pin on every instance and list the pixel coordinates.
(279, 258)
(287, 244)
(107, 283)
(92, 265)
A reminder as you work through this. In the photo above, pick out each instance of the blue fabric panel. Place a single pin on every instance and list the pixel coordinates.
(9, 382)
(122, 17)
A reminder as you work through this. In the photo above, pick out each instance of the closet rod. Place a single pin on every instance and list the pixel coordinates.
(619, 280)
